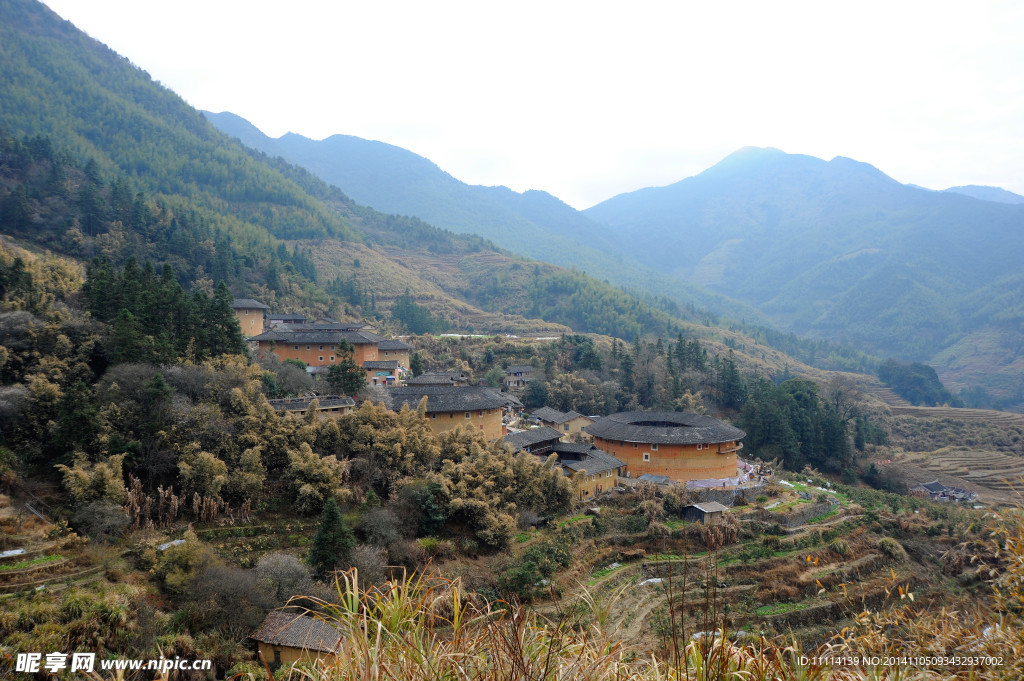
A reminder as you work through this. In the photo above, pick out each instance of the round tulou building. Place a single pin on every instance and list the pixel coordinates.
(682, 447)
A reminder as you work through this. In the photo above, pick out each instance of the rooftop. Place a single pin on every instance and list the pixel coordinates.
(448, 398)
(303, 334)
(384, 364)
(391, 344)
(664, 427)
(437, 378)
(519, 369)
(530, 437)
(586, 457)
(297, 631)
(710, 507)
(302, 403)
(554, 416)
(248, 304)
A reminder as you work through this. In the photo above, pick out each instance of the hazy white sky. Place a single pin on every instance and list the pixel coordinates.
(590, 99)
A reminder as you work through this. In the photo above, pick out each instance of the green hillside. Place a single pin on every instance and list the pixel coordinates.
(100, 160)
(533, 223)
(836, 250)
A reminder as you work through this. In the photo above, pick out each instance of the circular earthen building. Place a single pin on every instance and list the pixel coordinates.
(682, 446)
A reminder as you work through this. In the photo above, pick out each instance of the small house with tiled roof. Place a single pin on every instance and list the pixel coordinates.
(684, 447)
(287, 637)
(591, 470)
(318, 345)
(399, 351)
(449, 407)
(328, 405)
(439, 378)
(569, 423)
(251, 315)
(708, 512)
(279, 318)
(382, 372)
(517, 376)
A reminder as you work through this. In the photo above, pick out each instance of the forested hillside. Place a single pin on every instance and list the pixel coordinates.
(839, 250)
(100, 160)
(533, 223)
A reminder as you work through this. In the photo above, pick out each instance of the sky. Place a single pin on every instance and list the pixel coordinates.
(587, 100)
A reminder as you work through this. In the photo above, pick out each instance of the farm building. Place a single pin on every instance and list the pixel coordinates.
(709, 512)
(286, 637)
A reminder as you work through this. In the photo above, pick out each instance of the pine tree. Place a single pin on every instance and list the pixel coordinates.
(333, 541)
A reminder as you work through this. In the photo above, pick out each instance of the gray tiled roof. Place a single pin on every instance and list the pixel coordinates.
(447, 398)
(520, 369)
(664, 427)
(436, 378)
(391, 344)
(295, 631)
(530, 437)
(385, 364)
(554, 416)
(594, 461)
(302, 403)
(248, 304)
(287, 335)
(710, 507)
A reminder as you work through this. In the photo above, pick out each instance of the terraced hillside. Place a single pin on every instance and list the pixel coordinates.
(803, 581)
(993, 476)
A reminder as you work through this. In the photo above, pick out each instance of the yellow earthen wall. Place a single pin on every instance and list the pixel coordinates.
(290, 655)
(487, 422)
(251, 322)
(678, 462)
(592, 485)
(365, 352)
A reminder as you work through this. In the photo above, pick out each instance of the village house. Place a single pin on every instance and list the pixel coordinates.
(688, 448)
(284, 638)
(317, 345)
(568, 423)
(591, 470)
(439, 378)
(285, 318)
(936, 491)
(396, 350)
(708, 512)
(382, 372)
(516, 377)
(449, 407)
(250, 315)
(328, 405)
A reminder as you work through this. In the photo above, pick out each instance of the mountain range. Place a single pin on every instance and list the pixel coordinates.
(831, 249)
(827, 249)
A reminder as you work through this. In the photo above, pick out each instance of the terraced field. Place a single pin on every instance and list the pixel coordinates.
(991, 475)
(1004, 418)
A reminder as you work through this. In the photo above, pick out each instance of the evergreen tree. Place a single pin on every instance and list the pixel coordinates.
(332, 543)
(416, 364)
(346, 377)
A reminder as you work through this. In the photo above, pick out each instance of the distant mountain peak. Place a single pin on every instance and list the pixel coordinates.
(986, 193)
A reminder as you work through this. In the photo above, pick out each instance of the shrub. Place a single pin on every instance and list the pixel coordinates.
(437, 548)
(892, 548)
(841, 547)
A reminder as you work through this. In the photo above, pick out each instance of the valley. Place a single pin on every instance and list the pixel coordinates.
(461, 432)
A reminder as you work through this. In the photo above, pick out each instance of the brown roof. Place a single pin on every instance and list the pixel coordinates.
(297, 631)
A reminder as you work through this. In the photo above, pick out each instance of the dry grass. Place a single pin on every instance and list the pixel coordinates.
(421, 628)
